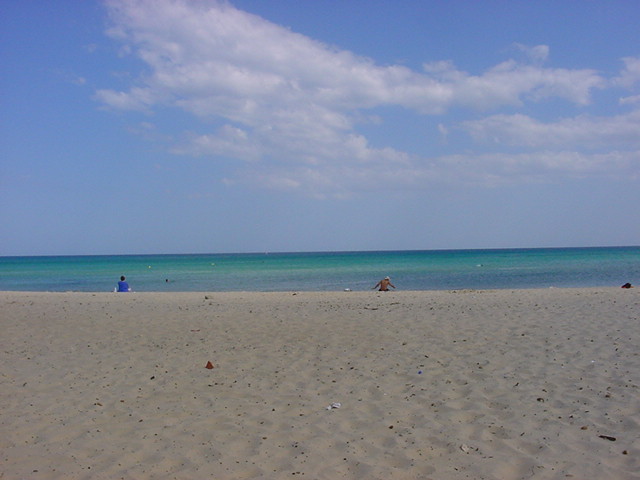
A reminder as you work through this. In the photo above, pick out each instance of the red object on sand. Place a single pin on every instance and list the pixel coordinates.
(209, 365)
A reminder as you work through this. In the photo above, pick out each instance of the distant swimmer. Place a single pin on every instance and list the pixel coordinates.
(384, 285)
(123, 286)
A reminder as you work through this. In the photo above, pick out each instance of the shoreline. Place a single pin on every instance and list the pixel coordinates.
(440, 384)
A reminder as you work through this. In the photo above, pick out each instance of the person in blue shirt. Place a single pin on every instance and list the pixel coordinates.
(123, 286)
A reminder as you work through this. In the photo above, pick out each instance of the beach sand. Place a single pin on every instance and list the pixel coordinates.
(510, 384)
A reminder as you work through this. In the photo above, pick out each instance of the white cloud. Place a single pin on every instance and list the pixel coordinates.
(538, 53)
(631, 73)
(291, 105)
(488, 170)
(580, 132)
(542, 165)
(511, 83)
(137, 99)
(630, 100)
(212, 59)
(228, 141)
(91, 47)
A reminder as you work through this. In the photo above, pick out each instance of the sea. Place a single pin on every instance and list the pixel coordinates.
(327, 271)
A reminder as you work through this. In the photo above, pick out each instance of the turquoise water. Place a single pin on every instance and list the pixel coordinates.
(328, 271)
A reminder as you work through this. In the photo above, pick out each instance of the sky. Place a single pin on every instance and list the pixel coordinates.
(204, 126)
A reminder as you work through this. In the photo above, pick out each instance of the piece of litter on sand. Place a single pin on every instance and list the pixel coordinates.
(334, 405)
(467, 448)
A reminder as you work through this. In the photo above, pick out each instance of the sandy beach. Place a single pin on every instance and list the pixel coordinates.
(509, 384)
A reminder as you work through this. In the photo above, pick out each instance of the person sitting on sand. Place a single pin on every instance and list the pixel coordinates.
(384, 285)
(123, 286)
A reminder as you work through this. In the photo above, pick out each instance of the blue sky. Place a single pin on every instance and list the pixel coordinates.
(181, 126)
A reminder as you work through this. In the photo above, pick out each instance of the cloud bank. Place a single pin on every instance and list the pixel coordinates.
(289, 109)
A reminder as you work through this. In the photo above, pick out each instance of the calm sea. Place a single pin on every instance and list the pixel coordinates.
(327, 271)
